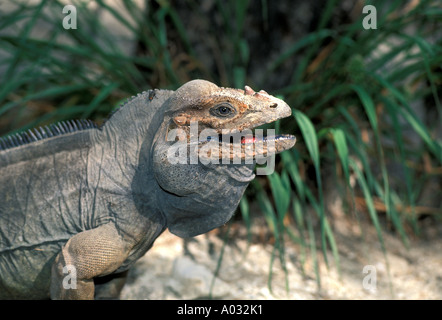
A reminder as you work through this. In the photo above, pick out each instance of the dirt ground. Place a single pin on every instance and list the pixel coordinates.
(177, 269)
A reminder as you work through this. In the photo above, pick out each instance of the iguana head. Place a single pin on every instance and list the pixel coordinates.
(205, 151)
(210, 119)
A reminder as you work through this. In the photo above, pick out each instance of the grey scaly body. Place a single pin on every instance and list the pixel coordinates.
(95, 199)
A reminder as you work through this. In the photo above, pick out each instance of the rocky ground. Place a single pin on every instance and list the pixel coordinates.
(177, 269)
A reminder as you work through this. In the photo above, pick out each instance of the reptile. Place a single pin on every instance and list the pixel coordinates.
(81, 203)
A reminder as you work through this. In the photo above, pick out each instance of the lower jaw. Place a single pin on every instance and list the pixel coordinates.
(249, 139)
(248, 150)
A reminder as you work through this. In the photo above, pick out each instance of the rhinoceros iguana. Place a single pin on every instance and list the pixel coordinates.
(79, 204)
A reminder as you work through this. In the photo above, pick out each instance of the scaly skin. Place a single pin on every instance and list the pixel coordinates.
(79, 208)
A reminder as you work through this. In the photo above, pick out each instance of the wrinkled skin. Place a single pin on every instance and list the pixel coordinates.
(94, 200)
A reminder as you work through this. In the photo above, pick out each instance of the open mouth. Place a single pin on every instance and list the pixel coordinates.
(242, 147)
(250, 139)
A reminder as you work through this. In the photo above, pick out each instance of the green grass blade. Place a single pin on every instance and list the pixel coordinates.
(99, 99)
(220, 260)
(368, 104)
(311, 142)
(342, 149)
(245, 213)
(290, 160)
(300, 224)
(314, 255)
(412, 118)
(272, 222)
(281, 193)
(369, 108)
(308, 40)
(368, 201)
(309, 135)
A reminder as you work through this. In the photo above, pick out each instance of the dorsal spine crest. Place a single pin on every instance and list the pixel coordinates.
(41, 133)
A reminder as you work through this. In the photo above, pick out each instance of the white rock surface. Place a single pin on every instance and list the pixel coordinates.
(172, 271)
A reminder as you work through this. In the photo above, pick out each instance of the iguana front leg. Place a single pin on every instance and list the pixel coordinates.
(88, 254)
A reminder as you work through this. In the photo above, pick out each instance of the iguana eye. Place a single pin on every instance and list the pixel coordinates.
(223, 110)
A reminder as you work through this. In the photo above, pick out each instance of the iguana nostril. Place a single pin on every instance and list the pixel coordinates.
(273, 105)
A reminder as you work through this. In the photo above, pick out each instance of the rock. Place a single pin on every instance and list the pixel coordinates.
(167, 271)
(190, 280)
